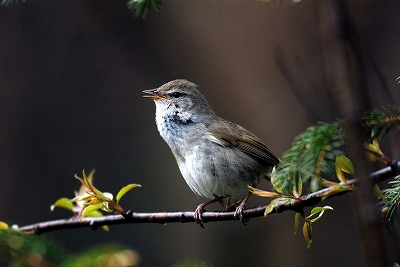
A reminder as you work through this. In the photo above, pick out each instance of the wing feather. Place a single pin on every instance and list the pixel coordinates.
(229, 134)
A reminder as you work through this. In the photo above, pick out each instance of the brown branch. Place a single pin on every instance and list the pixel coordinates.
(295, 204)
(382, 122)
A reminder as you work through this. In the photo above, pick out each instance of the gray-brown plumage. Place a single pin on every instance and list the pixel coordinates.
(216, 157)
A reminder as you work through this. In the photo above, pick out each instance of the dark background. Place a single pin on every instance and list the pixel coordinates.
(71, 81)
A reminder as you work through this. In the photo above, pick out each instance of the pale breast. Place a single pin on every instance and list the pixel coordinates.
(211, 170)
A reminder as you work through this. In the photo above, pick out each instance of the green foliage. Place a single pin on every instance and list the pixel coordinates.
(7, 2)
(391, 200)
(89, 200)
(307, 231)
(19, 249)
(382, 121)
(112, 255)
(29, 250)
(191, 263)
(3, 226)
(315, 215)
(142, 7)
(311, 156)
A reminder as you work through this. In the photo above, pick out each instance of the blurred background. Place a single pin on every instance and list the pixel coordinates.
(71, 81)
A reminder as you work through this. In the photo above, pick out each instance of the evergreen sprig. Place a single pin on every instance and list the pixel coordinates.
(382, 121)
(7, 2)
(142, 7)
(391, 200)
(311, 156)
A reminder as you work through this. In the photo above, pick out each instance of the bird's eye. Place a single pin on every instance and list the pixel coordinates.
(176, 94)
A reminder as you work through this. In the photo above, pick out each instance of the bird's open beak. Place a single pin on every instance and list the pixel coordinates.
(153, 94)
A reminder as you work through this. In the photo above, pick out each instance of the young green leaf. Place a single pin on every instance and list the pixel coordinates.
(262, 193)
(271, 205)
(298, 188)
(311, 157)
(124, 190)
(297, 217)
(339, 171)
(64, 203)
(89, 209)
(345, 164)
(379, 193)
(318, 210)
(307, 231)
(276, 183)
(3, 226)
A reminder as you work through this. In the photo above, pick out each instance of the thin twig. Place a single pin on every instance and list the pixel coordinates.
(295, 204)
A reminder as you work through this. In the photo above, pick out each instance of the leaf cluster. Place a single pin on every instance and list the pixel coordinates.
(311, 157)
(382, 121)
(342, 165)
(88, 201)
(19, 249)
(315, 215)
(391, 200)
(7, 2)
(142, 7)
(29, 250)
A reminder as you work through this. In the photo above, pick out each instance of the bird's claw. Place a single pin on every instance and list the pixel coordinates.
(197, 215)
(238, 215)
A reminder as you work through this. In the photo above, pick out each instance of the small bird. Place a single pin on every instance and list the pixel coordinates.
(217, 158)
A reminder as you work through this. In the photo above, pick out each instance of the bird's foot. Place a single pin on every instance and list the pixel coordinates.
(238, 215)
(200, 209)
(197, 214)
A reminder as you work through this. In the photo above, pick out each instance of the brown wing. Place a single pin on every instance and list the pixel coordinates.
(229, 134)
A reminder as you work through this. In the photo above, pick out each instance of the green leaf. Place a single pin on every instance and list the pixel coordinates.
(340, 175)
(262, 193)
(391, 200)
(142, 7)
(89, 209)
(124, 190)
(7, 2)
(298, 188)
(64, 203)
(307, 231)
(345, 164)
(378, 192)
(271, 205)
(311, 157)
(276, 183)
(297, 217)
(105, 206)
(319, 211)
(106, 228)
(95, 213)
(3, 226)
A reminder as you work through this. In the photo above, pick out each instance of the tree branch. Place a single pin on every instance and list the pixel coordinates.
(295, 204)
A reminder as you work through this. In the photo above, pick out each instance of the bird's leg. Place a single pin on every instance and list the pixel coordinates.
(227, 204)
(239, 210)
(200, 209)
